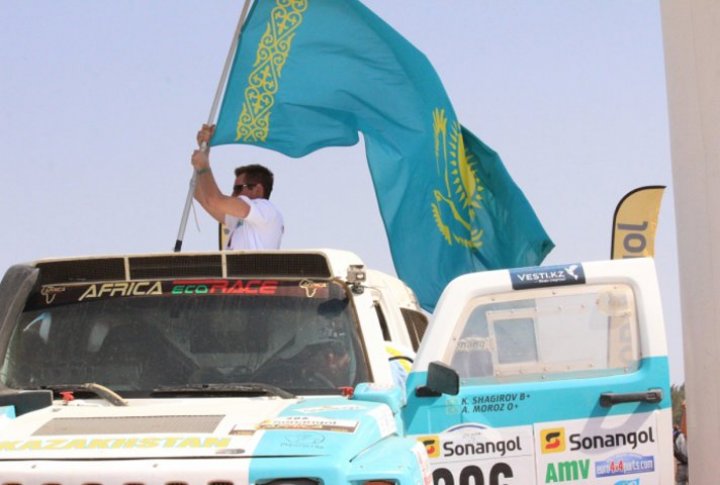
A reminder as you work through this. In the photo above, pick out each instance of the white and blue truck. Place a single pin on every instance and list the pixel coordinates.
(305, 368)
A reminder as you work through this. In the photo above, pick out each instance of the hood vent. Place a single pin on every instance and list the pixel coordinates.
(129, 425)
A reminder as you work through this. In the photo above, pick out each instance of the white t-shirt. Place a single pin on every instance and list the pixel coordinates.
(261, 229)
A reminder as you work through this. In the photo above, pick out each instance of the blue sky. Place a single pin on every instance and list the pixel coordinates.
(100, 102)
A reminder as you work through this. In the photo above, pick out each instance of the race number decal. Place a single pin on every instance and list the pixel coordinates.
(472, 474)
(472, 454)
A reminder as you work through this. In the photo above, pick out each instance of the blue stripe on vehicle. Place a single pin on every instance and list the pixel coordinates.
(523, 403)
(287, 453)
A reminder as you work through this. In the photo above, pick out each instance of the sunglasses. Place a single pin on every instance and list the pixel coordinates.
(239, 187)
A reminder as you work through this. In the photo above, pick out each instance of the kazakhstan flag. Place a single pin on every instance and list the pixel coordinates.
(314, 73)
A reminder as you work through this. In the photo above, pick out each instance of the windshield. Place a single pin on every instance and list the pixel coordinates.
(300, 336)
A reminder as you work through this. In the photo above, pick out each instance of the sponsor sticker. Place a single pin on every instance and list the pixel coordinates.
(432, 445)
(476, 453)
(54, 295)
(567, 471)
(331, 407)
(603, 450)
(50, 292)
(115, 443)
(317, 423)
(552, 440)
(123, 288)
(224, 287)
(571, 274)
(470, 441)
(311, 287)
(625, 464)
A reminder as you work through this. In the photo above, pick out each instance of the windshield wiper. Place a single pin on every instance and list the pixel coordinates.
(99, 390)
(224, 389)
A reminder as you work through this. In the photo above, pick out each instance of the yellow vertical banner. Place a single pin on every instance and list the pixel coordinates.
(635, 223)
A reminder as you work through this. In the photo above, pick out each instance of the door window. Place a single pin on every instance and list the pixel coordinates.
(544, 334)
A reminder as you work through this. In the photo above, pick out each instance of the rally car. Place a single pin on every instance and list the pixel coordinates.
(222, 368)
(287, 368)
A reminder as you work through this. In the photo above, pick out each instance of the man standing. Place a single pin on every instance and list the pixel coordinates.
(254, 222)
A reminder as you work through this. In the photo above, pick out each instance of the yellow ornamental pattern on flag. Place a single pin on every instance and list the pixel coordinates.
(264, 79)
(457, 203)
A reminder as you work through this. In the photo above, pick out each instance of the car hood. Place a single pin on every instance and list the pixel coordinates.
(198, 427)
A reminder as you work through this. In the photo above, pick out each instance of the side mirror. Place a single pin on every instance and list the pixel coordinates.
(441, 379)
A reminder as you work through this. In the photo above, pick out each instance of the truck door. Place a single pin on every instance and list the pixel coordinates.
(563, 378)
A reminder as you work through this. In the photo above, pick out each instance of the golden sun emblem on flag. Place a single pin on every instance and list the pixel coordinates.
(456, 205)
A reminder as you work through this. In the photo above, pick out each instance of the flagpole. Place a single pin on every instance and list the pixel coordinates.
(211, 118)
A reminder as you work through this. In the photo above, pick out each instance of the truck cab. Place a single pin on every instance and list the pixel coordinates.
(208, 368)
(280, 368)
(546, 375)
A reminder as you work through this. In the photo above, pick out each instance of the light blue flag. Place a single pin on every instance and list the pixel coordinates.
(314, 73)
